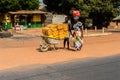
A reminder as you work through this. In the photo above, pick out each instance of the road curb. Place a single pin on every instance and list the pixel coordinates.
(97, 34)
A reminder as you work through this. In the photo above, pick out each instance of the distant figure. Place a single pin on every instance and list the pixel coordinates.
(90, 25)
(6, 26)
(0, 27)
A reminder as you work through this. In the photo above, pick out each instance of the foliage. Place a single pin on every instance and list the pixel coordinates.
(13, 5)
(115, 3)
(87, 22)
(100, 11)
(29, 4)
(8, 5)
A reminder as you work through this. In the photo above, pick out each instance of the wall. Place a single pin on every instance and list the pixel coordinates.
(57, 19)
(113, 25)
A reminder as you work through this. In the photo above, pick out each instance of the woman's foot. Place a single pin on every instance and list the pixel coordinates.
(75, 49)
(78, 49)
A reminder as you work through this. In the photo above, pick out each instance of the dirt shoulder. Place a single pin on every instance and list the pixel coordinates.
(23, 52)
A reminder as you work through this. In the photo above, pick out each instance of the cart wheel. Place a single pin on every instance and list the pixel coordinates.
(44, 47)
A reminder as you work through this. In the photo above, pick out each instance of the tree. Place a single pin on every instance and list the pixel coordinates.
(52, 5)
(8, 5)
(101, 11)
(116, 4)
(60, 6)
(28, 4)
(13, 5)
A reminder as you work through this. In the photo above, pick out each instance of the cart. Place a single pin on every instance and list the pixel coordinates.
(52, 34)
(46, 42)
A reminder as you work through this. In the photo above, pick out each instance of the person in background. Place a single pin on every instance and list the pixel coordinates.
(6, 26)
(78, 33)
(66, 39)
(0, 27)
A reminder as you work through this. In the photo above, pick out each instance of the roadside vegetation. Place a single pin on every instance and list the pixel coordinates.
(101, 12)
(13, 5)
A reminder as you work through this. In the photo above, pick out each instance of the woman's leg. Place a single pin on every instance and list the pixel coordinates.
(81, 44)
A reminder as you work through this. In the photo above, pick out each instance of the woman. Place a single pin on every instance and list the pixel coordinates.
(78, 33)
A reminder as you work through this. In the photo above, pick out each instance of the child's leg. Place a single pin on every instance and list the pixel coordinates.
(65, 40)
(68, 43)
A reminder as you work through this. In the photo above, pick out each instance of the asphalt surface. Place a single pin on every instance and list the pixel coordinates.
(107, 68)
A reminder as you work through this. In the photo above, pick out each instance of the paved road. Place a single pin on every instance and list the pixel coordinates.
(107, 68)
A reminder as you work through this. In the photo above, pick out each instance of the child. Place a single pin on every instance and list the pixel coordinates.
(66, 39)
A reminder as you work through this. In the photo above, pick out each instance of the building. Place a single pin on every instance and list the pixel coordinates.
(28, 18)
(24, 18)
(115, 23)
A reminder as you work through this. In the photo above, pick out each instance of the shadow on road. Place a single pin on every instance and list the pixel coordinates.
(107, 68)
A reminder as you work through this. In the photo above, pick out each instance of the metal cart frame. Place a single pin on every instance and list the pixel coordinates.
(46, 42)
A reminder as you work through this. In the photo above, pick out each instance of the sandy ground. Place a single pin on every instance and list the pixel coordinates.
(25, 52)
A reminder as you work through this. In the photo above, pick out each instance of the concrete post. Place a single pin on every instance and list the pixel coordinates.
(103, 29)
(95, 28)
(86, 31)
